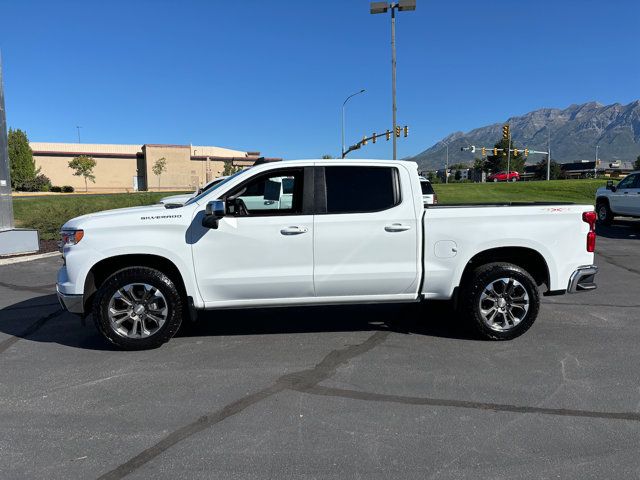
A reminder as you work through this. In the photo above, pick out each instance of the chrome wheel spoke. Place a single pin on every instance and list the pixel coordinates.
(137, 310)
(503, 304)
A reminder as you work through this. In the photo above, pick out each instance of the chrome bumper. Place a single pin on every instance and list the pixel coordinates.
(71, 303)
(583, 279)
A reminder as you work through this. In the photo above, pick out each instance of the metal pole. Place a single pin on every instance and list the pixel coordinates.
(393, 76)
(446, 168)
(343, 105)
(509, 154)
(79, 134)
(6, 201)
(595, 164)
(548, 153)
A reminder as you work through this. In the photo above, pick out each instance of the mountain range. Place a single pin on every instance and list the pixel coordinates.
(574, 133)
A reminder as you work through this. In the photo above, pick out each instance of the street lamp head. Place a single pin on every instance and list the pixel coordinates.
(378, 7)
(406, 5)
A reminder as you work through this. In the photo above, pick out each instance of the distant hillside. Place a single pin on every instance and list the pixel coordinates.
(575, 131)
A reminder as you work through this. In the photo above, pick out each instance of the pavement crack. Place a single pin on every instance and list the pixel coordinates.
(302, 380)
(613, 261)
(25, 288)
(443, 402)
(30, 330)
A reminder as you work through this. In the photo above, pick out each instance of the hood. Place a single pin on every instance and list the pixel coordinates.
(177, 198)
(119, 215)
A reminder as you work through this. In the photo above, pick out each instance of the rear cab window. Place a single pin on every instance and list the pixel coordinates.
(361, 189)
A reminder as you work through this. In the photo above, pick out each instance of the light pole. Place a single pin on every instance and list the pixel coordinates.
(79, 133)
(595, 163)
(382, 7)
(548, 153)
(343, 104)
(446, 165)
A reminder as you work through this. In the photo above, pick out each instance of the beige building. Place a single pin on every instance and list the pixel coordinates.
(121, 168)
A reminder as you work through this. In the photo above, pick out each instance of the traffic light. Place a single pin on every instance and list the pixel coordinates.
(526, 152)
(398, 132)
(515, 152)
(495, 152)
(364, 140)
(388, 135)
(484, 152)
(373, 137)
(406, 131)
(505, 132)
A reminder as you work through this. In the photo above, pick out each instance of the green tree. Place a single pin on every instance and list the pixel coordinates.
(458, 176)
(22, 167)
(230, 169)
(555, 170)
(326, 157)
(498, 162)
(159, 166)
(83, 166)
(480, 164)
(637, 164)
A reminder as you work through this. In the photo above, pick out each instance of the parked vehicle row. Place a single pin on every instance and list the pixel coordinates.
(314, 232)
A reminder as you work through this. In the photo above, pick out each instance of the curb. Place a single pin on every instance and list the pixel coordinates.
(28, 258)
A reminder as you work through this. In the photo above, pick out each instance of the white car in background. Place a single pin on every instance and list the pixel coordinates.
(184, 197)
(429, 197)
(622, 199)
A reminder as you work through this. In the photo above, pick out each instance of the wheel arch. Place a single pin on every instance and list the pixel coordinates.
(106, 267)
(530, 260)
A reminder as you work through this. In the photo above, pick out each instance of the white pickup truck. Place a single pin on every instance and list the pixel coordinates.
(344, 232)
(621, 199)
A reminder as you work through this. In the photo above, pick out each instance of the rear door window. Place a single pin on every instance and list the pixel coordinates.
(427, 189)
(361, 189)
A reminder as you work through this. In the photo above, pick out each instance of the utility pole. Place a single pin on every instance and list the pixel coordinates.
(548, 154)
(446, 168)
(595, 164)
(382, 7)
(79, 133)
(343, 105)
(509, 154)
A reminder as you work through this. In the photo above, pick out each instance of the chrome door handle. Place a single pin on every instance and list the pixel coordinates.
(397, 227)
(294, 230)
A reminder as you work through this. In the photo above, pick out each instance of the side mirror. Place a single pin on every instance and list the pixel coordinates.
(214, 211)
(609, 184)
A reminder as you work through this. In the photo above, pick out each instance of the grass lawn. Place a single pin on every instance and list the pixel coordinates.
(48, 213)
(576, 191)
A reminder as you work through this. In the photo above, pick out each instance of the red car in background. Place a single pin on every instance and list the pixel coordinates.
(504, 177)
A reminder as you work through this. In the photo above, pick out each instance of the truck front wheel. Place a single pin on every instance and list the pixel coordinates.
(500, 300)
(138, 308)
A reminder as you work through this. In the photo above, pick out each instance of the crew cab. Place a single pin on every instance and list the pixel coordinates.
(429, 196)
(310, 232)
(504, 177)
(622, 199)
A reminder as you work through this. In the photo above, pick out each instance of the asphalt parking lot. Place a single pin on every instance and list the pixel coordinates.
(371, 392)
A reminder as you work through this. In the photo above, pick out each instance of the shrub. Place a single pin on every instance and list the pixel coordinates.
(55, 188)
(67, 189)
(39, 183)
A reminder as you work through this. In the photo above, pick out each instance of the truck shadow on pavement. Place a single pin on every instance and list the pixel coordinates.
(620, 229)
(40, 319)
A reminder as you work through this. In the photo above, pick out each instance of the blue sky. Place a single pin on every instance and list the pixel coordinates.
(271, 76)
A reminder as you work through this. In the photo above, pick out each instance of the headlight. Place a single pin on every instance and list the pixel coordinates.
(70, 237)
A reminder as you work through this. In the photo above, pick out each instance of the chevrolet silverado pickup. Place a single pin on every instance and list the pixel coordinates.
(310, 232)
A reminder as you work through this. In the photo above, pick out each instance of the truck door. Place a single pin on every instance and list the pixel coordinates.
(366, 232)
(262, 248)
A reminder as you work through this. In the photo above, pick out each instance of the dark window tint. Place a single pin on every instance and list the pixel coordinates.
(427, 189)
(361, 189)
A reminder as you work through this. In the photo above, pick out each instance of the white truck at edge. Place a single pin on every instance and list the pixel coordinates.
(350, 232)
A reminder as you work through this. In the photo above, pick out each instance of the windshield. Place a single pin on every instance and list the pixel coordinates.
(214, 187)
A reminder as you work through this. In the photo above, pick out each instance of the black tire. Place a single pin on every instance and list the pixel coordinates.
(171, 300)
(491, 275)
(605, 215)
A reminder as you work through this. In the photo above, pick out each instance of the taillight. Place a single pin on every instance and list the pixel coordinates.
(435, 199)
(590, 218)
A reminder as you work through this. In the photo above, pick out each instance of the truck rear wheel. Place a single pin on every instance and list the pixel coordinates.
(605, 215)
(138, 308)
(500, 300)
